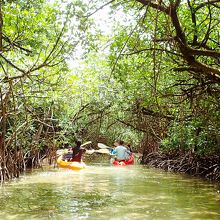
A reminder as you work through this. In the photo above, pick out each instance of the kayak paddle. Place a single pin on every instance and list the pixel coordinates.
(103, 146)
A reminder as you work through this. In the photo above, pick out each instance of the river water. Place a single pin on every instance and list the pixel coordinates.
(103, 192)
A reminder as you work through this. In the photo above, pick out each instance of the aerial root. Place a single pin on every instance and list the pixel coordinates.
(206, 167)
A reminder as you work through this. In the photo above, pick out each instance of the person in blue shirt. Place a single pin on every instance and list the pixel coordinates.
(121, 152)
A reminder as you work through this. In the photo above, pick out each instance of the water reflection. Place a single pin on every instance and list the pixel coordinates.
(105, 192)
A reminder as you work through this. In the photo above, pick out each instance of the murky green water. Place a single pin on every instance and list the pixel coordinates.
(105, 192)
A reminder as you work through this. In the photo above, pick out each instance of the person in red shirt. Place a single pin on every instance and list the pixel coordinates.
(77, 152)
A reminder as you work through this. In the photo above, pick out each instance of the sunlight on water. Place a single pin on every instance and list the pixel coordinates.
(105, 192)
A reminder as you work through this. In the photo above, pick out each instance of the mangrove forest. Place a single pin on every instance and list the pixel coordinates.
(143, 71)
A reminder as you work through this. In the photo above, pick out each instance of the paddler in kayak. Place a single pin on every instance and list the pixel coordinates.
(77, 152)
(74, 154)
(121, 152)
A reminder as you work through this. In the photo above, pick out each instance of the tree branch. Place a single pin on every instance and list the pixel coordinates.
(206, 3)
(98, 9)
(130, 125)
(209, 53)
(152, 49)
(154, 5)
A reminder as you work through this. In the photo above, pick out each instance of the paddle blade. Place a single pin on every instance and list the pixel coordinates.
(102, 151)
(90, 151)
(88, 142)
(103, 146)
(60, 152)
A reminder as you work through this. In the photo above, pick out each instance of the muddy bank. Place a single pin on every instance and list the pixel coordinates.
(205, 167)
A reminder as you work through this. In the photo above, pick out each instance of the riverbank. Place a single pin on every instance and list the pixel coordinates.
(204, 167)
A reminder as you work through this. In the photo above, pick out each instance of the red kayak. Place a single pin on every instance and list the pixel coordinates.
(124, 162)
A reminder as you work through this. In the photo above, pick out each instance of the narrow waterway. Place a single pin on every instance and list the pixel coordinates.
(105, 192)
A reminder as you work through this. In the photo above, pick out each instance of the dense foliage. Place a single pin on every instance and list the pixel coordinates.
(147, 73)
(168, 58)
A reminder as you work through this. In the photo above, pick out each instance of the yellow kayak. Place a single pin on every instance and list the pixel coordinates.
(70, 165)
